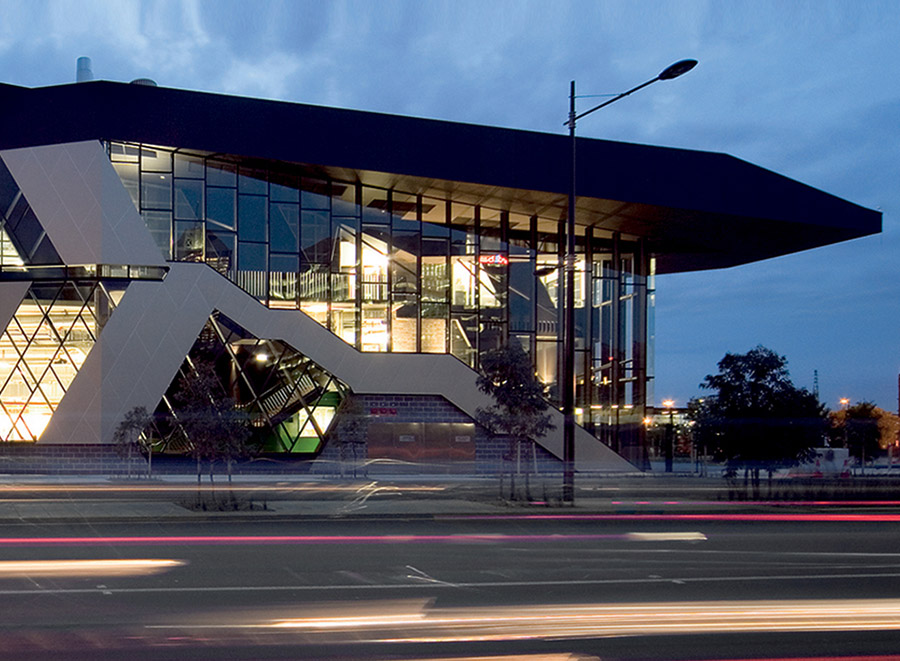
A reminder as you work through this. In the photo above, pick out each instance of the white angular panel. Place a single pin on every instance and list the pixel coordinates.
(11, 294)
(82, 205)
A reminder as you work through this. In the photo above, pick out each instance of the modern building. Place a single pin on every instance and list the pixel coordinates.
(313, 254)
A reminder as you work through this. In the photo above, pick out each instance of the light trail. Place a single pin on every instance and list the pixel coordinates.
(214, 540)
(419, 624)
(70, 568)
(180, 488)
(842, 517)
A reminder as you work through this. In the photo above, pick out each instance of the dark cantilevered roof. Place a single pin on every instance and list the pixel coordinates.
(697, 209)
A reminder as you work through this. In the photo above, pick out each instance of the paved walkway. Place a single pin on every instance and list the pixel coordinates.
(35, 498)
(42, 498)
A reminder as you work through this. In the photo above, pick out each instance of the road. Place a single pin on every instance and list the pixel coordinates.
(625, 586)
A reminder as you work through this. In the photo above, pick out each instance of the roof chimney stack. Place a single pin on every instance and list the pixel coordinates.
(83, 71)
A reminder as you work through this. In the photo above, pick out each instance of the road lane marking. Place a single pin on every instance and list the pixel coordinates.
(464, 584)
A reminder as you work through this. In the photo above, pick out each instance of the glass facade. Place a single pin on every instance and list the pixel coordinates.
(44, 346)
(290, 400)
(398, 271)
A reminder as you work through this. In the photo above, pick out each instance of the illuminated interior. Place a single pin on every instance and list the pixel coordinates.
(290, 400)
(42, 349)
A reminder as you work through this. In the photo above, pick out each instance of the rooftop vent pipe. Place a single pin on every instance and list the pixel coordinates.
(83, 71)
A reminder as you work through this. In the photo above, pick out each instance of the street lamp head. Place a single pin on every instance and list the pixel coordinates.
(668, 403)
(677, 69)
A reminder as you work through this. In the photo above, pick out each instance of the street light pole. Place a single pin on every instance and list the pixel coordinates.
(568, 376)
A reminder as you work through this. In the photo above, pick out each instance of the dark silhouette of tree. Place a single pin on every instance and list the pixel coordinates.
(130, 437)
(756, 418)
(349, 434)
(215, 427)
(518, 412)
(858, 429)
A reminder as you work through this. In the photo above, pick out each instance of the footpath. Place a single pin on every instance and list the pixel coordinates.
(44, 498)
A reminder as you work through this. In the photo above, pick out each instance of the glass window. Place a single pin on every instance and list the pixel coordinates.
(434, 215)
(315, 236)
(313, 283)
(188, 241)
(375, 205)
(123, 153)
(318, 310)
(434, 327)
(374, 327)
(188, 166)
(128, 173)
(284, 263)
(284, 187)
(462, 215)
(463, 330)
(492, 279)
(156, 191)
(404, 262)
(546, 361)
(464, 290)
(220, 252)
(435, 272)
(219, 173)
(251, 180)
(404, 323)
(343, 321)
(252, 257)
(490, 230)
(189, 199)
(344, 258)
(283, 280)
(284, 227)
(160, 225)
(375, 242)
(154, 159)
(521, 294)
(314, 194)
(252, 218)
(343, 286)
(404, 214)
(220, 208)
(343, 200)
(492, 336)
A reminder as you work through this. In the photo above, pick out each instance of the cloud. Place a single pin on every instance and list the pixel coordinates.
(268, 76)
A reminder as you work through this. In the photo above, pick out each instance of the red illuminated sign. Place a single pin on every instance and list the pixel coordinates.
(495, 260)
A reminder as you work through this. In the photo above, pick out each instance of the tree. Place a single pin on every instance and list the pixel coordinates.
(859, 429)
(519, 407)
(215, 427)
(130, 437)
(349, 433)
(756, 417)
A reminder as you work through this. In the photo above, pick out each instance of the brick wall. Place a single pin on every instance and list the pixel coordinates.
(20, 458)
(489, 451)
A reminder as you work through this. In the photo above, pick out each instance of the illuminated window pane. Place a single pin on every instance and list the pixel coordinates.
(375, 334)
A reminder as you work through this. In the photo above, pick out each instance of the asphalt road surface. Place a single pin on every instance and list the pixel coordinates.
(611, 587)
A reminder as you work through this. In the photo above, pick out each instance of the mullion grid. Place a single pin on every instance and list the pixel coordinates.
(36, 387)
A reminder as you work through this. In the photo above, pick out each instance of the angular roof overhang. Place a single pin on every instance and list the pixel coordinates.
(696, 210)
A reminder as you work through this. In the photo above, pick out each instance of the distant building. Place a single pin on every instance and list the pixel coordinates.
(316, 253)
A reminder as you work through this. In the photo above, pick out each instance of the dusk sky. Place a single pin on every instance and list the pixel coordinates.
(810, 90)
